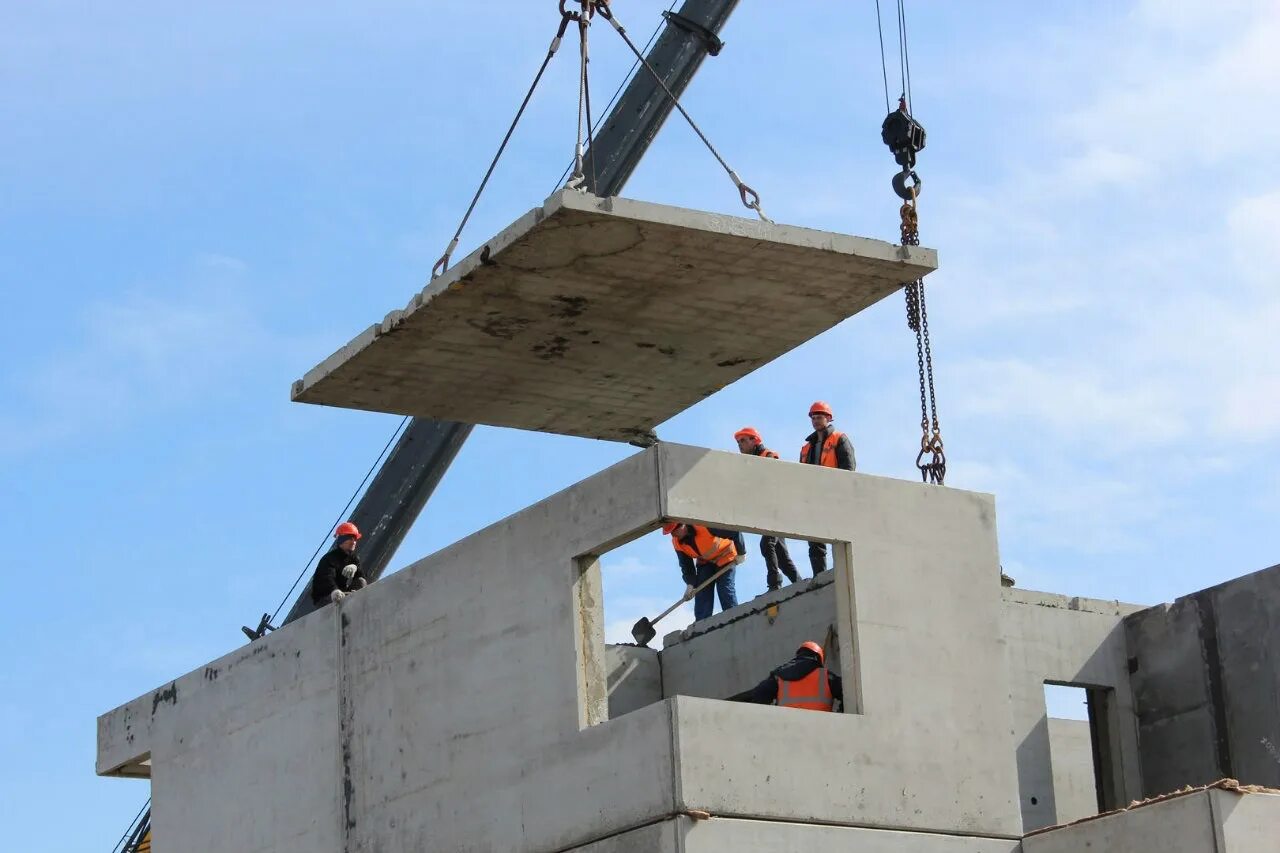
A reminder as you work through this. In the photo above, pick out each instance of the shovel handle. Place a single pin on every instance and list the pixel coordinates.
(706, 583)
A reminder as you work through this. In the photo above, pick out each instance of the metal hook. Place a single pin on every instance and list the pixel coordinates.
(904, 192)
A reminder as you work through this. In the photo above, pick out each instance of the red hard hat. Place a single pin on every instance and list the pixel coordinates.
(747, 432)
(669, 526)
(346, 528)
(821, 408)
(815, 648)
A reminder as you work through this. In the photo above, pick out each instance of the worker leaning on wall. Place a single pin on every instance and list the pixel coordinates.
(338, 572)
(803, 682)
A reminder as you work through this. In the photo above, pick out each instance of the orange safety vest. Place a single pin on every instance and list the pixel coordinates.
(767, 453)
(828, 457)
(812, 693)
(707, 548)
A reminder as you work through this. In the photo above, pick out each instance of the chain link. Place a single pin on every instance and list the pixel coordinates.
(935, 469)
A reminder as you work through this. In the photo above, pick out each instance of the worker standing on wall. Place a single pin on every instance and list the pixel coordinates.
(772, 548)
(703, 551)
(831, 449)
(802, 682)
(338, 572)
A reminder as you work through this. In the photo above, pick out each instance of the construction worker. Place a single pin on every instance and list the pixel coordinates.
(703, 551)
(831, 449)
(772, 548)
(802, 682)
(338, 572)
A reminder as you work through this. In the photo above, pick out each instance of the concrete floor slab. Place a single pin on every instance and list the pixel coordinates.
(683, 834)
(1213, 820)
(605, 317)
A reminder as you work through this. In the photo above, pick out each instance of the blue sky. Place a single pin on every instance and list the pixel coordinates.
(201, 203)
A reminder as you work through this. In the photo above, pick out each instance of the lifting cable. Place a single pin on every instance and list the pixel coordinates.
(616, 92)
(750, 198)
(443, 264)
(905, 138)
(341, 516)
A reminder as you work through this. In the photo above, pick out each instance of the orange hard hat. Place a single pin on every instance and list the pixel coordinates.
(815, 648)
(669, 527)
(346, 528)
(747, 432)
(821, 408)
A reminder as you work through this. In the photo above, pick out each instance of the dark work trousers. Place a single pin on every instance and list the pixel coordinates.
(774, 551)
(818, 557)
(704, 601)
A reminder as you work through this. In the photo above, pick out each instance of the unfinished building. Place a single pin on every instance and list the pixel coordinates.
(469, 702)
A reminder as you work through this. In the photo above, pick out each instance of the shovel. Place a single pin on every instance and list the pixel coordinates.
(643, 631)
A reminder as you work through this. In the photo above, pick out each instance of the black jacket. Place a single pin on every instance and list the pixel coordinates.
(328, 576)
(689, 570)
(766, 692)
(845, 459)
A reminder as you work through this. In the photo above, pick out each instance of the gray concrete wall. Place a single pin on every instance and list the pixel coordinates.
(634, 677)
(243, 750)
(461, 704)
(734, 650)
(1075, 792)
(1071, 641)
(931, 742)
(1211, 821)
(1207, 683)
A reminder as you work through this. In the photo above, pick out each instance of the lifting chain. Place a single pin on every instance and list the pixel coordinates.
(934, 470)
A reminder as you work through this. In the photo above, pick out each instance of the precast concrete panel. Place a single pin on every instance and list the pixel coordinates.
(1070, 640)
(1203, 821)
(605, 317)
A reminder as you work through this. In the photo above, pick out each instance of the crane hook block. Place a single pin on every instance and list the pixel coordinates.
(904, 136)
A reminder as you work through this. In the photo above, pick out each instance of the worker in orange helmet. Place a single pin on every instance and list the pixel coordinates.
(772, 548)
(703, 551)
(831, 449)
(338, 572)
(802, 682)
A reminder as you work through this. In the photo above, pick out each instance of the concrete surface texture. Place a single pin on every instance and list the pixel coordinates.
(1065, 640)
(1203, 821)
(605, 317)
(462, 703)
(1075, 794)
(1206, 677)
(683, 834)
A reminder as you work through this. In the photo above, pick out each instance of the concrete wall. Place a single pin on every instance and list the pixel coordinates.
(1069, 641)
(462, 703)
(634, 677)
(1075, 793)
(1212, 821)
(243, 750)
(733, 651)
(682, 834)
(931, 743)
(1207, 684)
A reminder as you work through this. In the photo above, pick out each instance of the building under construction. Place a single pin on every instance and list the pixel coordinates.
(469, 702)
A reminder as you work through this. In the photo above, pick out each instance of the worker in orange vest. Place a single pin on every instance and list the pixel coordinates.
(703, 551)
(772, 548)
(802, 682)
(338, 572)
(831, 449)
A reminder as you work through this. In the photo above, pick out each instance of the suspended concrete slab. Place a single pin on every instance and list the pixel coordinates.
(605, 317)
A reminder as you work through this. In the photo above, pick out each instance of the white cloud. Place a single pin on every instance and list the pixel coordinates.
(141, 354)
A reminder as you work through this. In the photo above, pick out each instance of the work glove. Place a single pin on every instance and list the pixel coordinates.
(337, 595)
(688, 592)
(349, 571)
(740, 559)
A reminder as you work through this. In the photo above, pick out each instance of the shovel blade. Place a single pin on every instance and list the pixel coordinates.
(643, 631)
